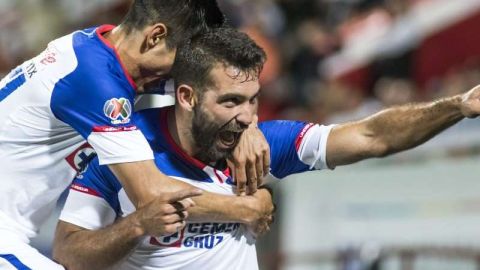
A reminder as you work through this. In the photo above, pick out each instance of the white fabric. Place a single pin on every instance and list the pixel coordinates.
(34, 145)
(232, 249)
(39, 154)
(94, 215)
(313, 147)
(27, 255)
(148, 101)
(111, 147)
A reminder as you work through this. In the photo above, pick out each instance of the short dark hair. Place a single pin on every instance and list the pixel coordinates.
(183, 18)
(228, 46)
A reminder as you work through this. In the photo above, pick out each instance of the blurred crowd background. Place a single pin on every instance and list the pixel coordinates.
(331, 61)
(328, 60)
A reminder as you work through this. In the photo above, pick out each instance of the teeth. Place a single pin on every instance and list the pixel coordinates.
(227, 137)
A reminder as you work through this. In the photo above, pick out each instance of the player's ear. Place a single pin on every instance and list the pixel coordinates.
(155, 35)
(186, 97)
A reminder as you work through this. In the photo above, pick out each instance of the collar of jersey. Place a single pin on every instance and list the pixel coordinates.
(176, 149)
(107, 28)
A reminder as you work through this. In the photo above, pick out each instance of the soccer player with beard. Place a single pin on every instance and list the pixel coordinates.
(216, 92)
(215, 102)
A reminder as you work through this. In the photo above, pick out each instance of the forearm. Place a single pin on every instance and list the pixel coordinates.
(407, 126)
(143, 182)
(208, 206)
(99, 249)
(223, 208)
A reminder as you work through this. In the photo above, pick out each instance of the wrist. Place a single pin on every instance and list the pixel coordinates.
(136, 228)
(457, 101)
(454, 105)
(249, 209)
(462, 102)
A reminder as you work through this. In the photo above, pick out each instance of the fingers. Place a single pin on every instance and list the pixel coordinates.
(167, 214)
(172, 197)
(182, 205)
(252, 178)
(266, 161)
(173, 228)
(160, 219)
(177, 217)
(263, 226)
(259, 169)
(241, 179)
(271, 220)
(246, 177)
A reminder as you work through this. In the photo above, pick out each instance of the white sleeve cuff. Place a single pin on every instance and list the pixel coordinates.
(313, 147)
(87, 211)
(119, 146)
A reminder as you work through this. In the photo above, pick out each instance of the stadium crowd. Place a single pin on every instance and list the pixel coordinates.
(298, 36)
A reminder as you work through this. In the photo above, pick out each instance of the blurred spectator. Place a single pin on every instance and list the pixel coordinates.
(367, 19)
(314, 43)
(395, 91)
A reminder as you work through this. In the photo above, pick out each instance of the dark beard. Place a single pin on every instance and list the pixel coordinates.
(205, 133)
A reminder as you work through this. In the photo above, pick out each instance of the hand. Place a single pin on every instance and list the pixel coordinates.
(470, 105)
(250, 160)
(264, 210)
(166, 214)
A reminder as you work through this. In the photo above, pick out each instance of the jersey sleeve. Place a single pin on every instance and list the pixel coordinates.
(98, 105)
(295, 146)
(92, 201)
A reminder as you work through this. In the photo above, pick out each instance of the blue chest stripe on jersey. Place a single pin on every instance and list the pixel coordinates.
(13, 85)
(13, 260)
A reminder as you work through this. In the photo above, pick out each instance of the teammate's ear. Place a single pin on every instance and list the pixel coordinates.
(186, 97)
(155, 34)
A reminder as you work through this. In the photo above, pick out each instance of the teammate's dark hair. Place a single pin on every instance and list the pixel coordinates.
(195, 59)
(183, 18)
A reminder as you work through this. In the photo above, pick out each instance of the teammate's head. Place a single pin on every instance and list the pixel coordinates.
(155, 28)
(216, 79)
(182, 18)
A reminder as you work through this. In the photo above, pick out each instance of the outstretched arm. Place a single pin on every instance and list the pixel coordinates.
(398, 128)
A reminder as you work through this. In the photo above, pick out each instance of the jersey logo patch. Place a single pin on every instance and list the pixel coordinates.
(118, 110)
(173, 240)
(80, 158)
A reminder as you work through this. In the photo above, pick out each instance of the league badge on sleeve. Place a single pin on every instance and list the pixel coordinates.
(118, 110)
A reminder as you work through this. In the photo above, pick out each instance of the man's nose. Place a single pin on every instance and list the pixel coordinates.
(246, 115)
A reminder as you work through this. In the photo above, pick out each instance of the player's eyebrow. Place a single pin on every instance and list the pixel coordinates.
(237, 96)
(228, 96)
(256, 95)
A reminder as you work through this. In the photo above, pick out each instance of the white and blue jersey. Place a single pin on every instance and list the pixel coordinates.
(53, 109)
(97, 199)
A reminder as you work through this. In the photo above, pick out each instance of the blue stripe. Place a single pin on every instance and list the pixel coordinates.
(14, 261)
(12, 86)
